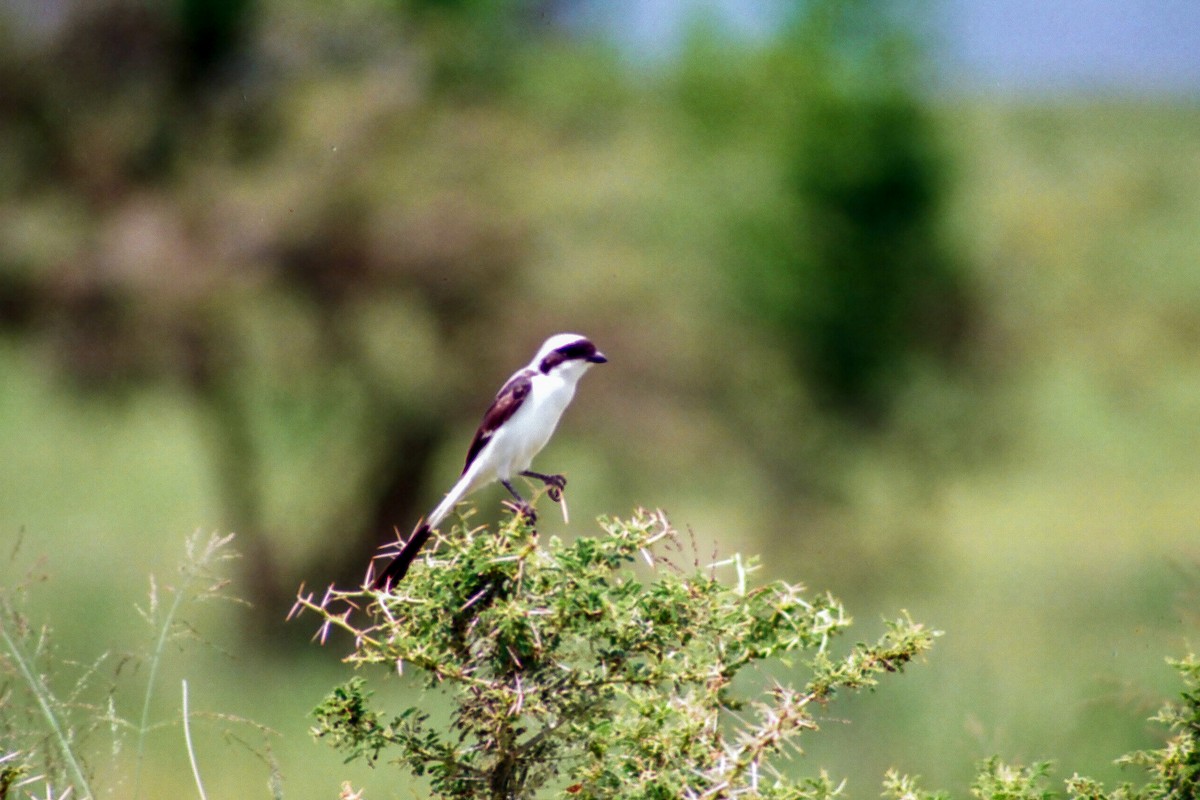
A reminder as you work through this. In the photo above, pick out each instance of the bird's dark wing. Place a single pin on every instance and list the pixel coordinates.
(507, 401)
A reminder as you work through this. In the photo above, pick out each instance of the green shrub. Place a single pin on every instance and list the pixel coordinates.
(568, 670)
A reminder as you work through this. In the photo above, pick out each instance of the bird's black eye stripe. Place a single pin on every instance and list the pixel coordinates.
(580, 349)
(577, 350)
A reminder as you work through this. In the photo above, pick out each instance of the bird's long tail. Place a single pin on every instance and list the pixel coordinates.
(398, 568)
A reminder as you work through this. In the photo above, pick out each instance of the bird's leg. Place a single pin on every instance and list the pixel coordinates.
(554, 483)
(524, 507)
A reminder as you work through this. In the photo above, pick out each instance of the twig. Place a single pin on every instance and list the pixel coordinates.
(187, 737)
(43, 696)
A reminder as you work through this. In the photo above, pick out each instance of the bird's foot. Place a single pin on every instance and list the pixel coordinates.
(554, 486)
(523, 509)
(554, 483)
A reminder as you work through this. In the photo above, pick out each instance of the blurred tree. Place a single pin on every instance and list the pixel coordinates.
(176, 241)
(212, 34)
(472, 45)
(852, 273)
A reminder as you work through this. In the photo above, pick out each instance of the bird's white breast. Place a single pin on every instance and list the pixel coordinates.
(530, 428)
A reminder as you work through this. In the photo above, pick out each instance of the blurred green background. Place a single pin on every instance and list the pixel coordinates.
(916, 342)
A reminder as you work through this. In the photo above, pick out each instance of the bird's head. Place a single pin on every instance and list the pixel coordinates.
(567, 354)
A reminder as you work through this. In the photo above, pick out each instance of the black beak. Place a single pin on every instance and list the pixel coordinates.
(597, 358)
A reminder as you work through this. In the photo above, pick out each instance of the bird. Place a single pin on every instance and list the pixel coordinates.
(515, 428)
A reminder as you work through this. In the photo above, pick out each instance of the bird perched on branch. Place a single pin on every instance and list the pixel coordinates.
(514, 429)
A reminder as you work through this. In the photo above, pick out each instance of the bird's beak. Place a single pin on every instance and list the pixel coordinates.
(598, 358)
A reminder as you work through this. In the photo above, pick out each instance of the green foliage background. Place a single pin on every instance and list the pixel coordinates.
(415, 178)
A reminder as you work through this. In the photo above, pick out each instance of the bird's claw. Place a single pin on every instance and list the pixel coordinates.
(555, 485)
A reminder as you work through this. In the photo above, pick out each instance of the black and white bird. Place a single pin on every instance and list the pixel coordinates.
(515, 428)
